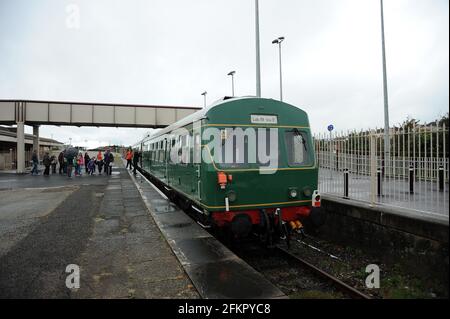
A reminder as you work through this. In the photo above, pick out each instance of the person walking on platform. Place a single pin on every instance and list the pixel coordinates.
(79, 164)
(53, 163)
(86, 161)
(111, 161)
(99, 162)
(75, 165)
(69, 164)
(35, 162)
(106, 161)
(46, 161)
(61, 162)
(91, 166)
(129, 157)
(136, 157)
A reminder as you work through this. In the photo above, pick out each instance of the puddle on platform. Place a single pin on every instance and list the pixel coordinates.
(162, 206)
(181, 225)
(112, 187)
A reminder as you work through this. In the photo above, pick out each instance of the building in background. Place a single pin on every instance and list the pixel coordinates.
(8, 143)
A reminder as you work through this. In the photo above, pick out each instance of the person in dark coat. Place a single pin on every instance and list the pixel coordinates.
(136, 157)
(69, 164)
(46, 161)
(35, 161)
(108, 163)
(86, 161)
(106, 160)
(61, 162)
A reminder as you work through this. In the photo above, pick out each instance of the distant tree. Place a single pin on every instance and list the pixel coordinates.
(443, 120)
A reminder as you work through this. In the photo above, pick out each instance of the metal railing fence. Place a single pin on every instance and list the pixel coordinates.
(414, 175)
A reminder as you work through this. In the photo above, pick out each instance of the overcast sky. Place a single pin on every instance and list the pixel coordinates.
(168, 52)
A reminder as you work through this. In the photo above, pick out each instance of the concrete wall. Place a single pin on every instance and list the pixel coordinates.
(420, 242)
(8, 159)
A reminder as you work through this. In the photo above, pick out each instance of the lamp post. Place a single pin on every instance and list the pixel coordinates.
(232, 82)
(387, 146)
(204, 98)
(278, 41)
(258, 62)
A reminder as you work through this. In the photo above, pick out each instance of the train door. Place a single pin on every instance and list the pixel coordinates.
(197, 160)
(166, 161)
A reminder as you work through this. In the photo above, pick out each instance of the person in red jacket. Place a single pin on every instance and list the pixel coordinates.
(129, 157)
(100, 162)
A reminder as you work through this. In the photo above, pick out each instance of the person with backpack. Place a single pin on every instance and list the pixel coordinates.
(91, 166)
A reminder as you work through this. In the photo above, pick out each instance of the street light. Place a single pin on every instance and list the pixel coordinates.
(385, 92)
(278, 41)
(232, 81)
(204, 98)
(258, 59)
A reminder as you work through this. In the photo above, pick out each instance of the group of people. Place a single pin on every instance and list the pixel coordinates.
(48, 161)
(132, 157)
(100, 162)
(71, 160)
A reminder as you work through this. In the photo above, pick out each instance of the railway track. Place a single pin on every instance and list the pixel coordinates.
(294, 261)
(294, 275)
(339, 284)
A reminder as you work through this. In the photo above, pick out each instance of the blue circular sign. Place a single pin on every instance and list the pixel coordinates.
(330, 127)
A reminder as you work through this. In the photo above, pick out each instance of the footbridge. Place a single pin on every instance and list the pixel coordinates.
(35, 113)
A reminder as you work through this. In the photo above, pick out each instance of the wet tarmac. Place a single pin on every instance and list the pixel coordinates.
(98, 223)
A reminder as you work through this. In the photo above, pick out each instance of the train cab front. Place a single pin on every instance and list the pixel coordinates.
(270, 223)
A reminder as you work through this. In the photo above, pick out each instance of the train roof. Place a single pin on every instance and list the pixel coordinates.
(201, 114)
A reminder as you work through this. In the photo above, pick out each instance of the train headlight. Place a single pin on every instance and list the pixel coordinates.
(231, 196)
(293, 193)
(307, 192)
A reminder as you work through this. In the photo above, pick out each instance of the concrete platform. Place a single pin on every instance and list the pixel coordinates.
(214, 270)
(99, 223)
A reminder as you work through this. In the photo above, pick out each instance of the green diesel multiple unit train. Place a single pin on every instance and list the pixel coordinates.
(241, 164)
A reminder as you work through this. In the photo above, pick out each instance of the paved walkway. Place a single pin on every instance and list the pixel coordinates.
(99, 223)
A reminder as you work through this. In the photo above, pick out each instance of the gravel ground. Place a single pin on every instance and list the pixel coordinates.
(293, 280)
(350, 267)
(346, 263)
